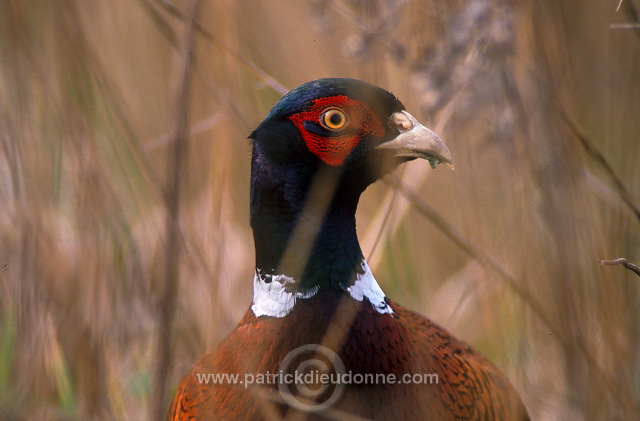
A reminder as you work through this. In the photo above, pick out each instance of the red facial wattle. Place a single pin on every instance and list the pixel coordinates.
(334, 149)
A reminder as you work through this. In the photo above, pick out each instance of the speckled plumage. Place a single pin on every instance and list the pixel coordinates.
(469, 386)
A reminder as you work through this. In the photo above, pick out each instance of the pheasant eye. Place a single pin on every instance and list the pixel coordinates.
(334, 119)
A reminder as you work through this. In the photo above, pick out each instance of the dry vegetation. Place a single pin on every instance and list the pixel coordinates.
(537, 100)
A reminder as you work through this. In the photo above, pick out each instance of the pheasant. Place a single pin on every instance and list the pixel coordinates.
(317, 309)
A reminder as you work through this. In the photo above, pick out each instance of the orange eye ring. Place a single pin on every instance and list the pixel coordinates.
(334, 119)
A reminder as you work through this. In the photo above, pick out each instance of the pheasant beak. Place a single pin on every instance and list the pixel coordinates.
(416, 141)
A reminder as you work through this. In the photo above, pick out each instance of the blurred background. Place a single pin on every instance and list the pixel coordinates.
(125, 248)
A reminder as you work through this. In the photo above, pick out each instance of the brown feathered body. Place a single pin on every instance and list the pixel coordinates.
(467, 386)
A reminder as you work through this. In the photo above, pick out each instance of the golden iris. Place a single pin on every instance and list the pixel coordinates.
(334, 119)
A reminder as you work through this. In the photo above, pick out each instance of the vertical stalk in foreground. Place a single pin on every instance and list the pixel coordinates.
(172, 255)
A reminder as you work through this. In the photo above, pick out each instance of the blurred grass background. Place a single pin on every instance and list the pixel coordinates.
(539, 101)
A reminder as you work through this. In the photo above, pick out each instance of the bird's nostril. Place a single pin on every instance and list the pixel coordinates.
(401, 122)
